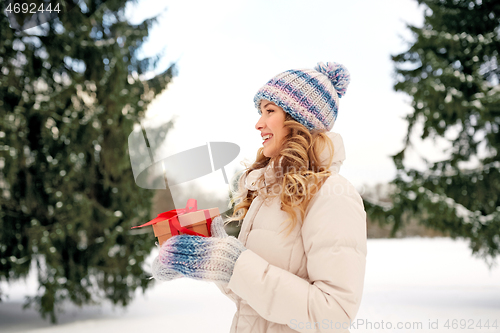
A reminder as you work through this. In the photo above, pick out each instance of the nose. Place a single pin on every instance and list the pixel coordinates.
(260, 124)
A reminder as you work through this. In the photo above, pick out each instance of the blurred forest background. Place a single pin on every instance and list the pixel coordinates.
(72, 90)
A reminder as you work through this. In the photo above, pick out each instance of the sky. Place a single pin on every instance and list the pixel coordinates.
(226, 50)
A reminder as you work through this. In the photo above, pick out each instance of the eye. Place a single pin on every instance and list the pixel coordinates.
(270, 110)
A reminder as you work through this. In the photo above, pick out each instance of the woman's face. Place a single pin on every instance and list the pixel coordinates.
(272, 128)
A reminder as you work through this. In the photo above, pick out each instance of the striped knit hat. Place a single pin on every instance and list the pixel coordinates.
(310, 96)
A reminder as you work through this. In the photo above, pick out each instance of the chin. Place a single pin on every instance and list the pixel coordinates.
(268, 155)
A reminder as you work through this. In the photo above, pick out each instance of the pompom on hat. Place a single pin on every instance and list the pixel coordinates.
(310, 96)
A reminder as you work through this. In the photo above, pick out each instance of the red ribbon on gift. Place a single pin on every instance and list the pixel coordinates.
(173, 219)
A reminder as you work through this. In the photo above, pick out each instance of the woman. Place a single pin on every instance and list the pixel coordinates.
(298, 264)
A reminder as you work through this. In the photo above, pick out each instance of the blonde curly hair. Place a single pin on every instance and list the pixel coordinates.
(304, 176)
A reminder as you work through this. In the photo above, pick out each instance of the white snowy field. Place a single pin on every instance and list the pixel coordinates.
(418, 284)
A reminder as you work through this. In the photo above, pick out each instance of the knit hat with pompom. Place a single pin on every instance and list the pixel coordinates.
(310, 96)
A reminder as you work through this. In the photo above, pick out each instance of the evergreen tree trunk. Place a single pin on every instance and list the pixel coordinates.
(71, 91)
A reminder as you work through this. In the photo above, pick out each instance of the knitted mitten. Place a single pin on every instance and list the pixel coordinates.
(217, 228)
(163, 273)
(201, 258)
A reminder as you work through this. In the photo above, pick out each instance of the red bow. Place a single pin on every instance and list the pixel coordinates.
(172, 217)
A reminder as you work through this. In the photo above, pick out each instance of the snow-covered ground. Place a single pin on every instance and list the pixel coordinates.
(416, 283)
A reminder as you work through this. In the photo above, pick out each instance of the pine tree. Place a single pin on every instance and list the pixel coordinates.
(451, 72)
(71, 91)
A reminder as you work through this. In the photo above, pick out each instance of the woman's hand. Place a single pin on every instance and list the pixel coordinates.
(217, 228)
(200, 258)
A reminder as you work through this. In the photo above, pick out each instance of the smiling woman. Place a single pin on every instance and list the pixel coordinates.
(272, 127)
(301, 253)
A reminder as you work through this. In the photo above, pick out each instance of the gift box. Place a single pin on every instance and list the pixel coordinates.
(189, 220)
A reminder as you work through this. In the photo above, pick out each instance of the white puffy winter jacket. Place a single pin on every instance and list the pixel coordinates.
(312, 280)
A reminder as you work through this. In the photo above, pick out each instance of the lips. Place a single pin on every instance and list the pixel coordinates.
(266, 137)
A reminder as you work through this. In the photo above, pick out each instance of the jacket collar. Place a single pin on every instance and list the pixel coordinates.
(251, 182)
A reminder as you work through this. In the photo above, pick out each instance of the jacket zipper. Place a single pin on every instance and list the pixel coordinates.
(256, 210)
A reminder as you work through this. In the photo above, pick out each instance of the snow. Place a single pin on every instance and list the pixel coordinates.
(410, 280)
